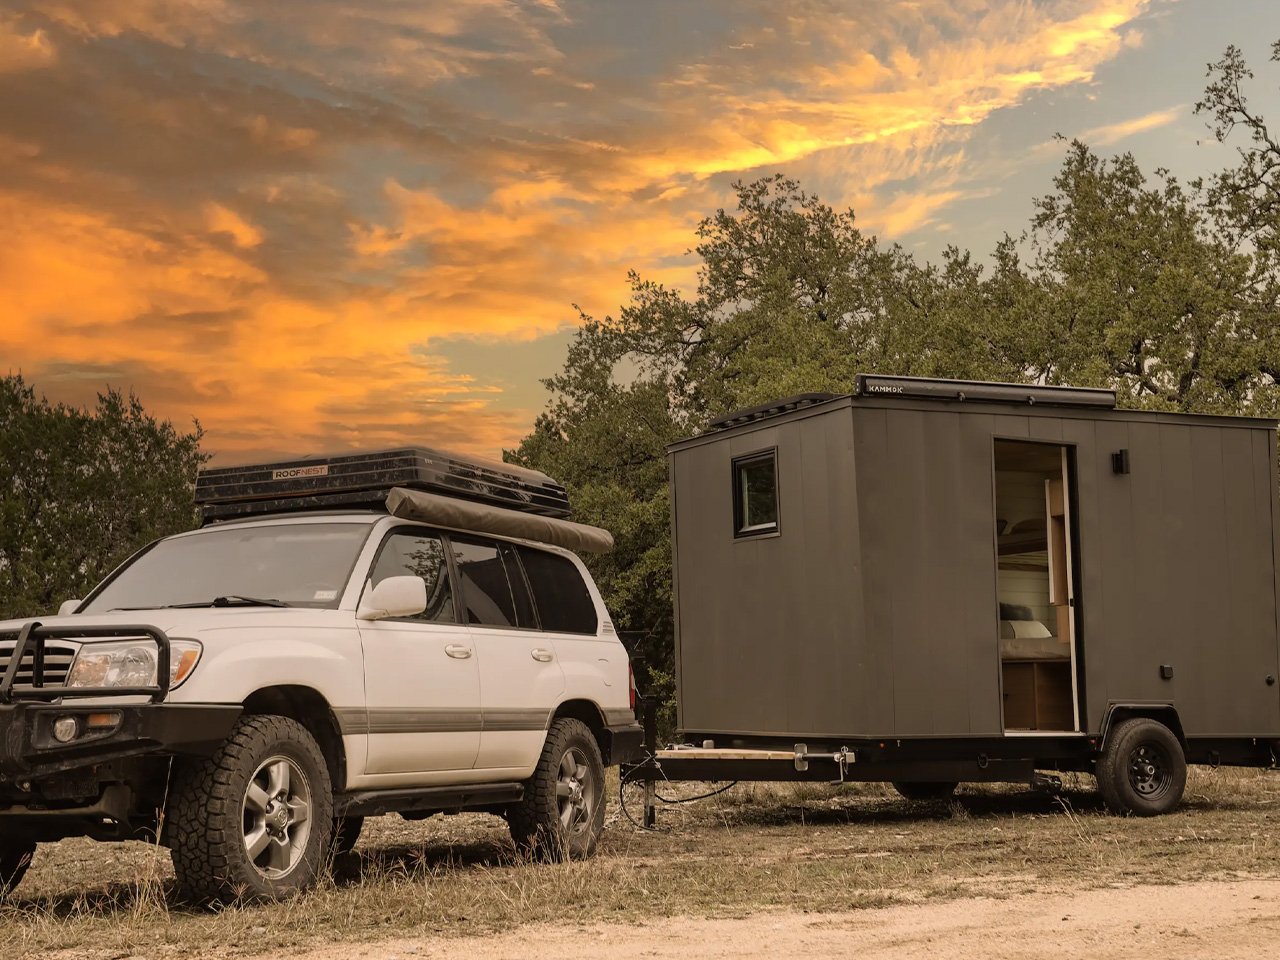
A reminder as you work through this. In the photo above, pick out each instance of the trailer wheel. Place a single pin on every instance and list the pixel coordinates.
(252, 821)
(346, 831)
(562, 814)
(15, 858)
(924, 791)
(1142, 770)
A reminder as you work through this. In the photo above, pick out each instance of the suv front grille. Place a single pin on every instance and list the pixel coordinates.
(57, 662)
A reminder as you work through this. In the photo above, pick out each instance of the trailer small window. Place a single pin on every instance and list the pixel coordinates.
(755, 495)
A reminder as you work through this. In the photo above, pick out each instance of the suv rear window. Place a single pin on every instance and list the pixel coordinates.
(493, 589)
(562, 598)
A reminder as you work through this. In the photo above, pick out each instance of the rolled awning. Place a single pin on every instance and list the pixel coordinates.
(467, 515)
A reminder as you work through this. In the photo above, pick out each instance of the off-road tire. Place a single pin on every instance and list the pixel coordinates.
(925, 791)
(1143, 770)
(205, 823)
(346, 832)
(15, 859)
(536, 823)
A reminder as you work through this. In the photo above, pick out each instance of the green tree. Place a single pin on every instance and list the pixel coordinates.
(80, 490)
(1138, 288)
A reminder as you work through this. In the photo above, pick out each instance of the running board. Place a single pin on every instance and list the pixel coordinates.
(374, 803)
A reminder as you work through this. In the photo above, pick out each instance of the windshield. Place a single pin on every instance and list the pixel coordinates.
(300, 564)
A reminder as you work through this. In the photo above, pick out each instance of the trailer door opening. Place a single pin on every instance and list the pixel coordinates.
(1035, 588)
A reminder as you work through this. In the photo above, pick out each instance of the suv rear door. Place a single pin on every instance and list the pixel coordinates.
(595, 666)
(520, 676)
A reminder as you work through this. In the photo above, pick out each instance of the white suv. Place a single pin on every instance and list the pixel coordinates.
(321, 667)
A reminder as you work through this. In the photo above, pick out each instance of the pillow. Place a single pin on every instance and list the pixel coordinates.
(1013, 611)
(1023, 630)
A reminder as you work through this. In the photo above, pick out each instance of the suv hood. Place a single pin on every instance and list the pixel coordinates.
(192, 622)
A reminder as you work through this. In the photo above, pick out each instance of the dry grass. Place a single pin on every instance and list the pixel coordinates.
(754, 847)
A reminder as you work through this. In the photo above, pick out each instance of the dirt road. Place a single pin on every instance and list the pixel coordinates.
(1220, 920)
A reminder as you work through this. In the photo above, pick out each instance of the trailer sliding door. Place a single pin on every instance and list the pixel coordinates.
(1035, 588)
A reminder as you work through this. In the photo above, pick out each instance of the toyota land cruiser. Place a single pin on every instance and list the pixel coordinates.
(343, 638)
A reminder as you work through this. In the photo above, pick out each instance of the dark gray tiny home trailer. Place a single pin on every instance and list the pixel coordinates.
(938, 581)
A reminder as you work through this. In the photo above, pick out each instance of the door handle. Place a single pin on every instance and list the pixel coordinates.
(457, 651)
(542, 656)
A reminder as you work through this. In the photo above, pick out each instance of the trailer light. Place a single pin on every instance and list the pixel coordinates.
(66, 729)
(103, 721)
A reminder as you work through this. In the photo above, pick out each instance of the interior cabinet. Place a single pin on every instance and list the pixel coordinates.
(1037, 695)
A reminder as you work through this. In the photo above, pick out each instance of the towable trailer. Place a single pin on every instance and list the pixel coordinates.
(927, 582)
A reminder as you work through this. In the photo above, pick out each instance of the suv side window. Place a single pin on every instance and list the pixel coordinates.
(418, 555)
(563, 601)
(494, 593)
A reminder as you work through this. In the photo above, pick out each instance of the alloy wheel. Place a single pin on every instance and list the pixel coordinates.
(575, 791)
(277, 817)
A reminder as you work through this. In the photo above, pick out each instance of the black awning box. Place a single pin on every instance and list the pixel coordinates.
(363, 480)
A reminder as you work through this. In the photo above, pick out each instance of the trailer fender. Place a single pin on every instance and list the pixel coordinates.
(1165, 713)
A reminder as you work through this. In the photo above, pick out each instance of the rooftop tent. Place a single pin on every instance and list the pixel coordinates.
(366, 479)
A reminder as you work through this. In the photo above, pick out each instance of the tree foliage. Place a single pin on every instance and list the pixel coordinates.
(81, 490)
(1163, 291)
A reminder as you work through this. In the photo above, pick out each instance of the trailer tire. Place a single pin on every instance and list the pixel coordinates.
(15, 859)
(562, 814)
(346, 831)
(267, 784)
(924, 791)
(1143, 770)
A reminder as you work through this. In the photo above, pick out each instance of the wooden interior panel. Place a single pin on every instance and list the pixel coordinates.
(1019, 695)
(1037, 695)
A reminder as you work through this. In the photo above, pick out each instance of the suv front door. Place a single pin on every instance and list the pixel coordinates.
(422, 677)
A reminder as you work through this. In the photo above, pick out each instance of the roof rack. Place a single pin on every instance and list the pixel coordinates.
(364, 480)
(778, 407)
(923, 388)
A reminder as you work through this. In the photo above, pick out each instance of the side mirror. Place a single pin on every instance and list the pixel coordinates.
(68, 607)
(394, 597)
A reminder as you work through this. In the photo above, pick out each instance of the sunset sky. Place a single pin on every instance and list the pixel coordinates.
(325, 224)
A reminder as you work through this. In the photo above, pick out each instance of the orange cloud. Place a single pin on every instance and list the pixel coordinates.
(1112, 133)
(265, 214)
(222, 219)
(23, 50)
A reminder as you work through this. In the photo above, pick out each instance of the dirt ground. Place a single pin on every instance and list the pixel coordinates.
(1222, 920)
(757, 871)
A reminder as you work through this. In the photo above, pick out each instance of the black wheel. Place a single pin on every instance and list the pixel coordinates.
(925, 790)
(1142, 770)
(562, 814)
(346, 831)
(254, 820)
(15, 858)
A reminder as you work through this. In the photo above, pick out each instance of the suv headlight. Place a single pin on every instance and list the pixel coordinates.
(131, 663)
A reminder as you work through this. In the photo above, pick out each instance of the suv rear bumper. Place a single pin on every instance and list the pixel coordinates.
(29, 750)
(626, 743)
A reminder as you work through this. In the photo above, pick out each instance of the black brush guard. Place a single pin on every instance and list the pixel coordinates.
(33, 636)
(32, 758)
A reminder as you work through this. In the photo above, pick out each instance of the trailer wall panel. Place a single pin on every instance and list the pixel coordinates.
(767, 623)
(927, 522)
